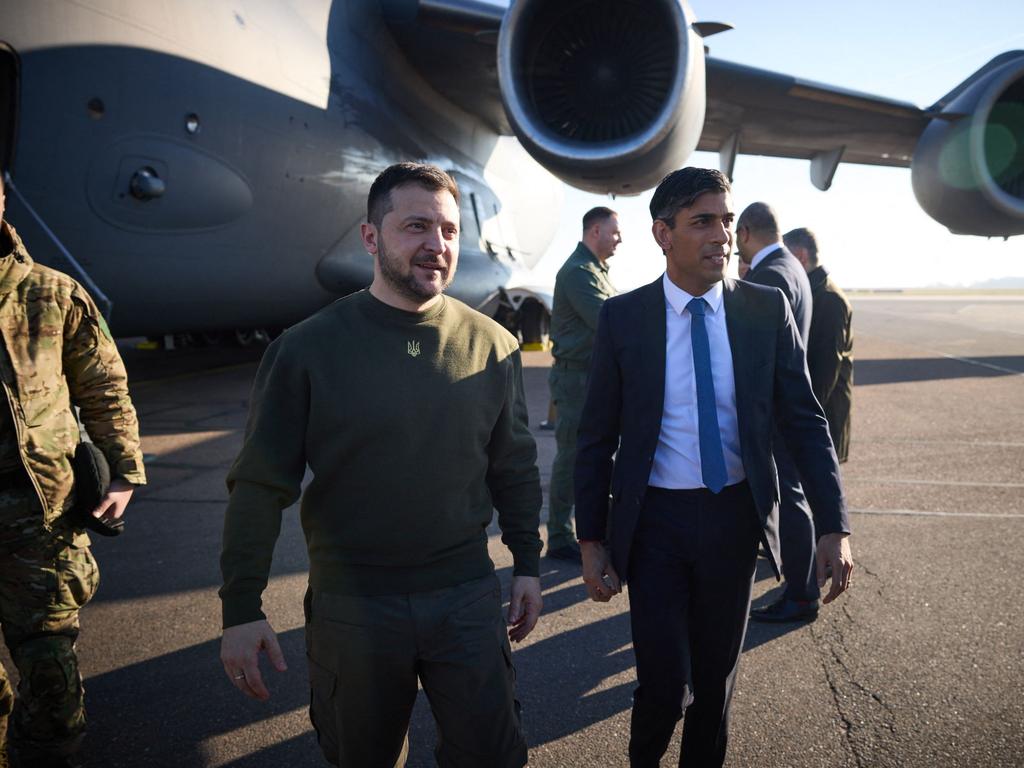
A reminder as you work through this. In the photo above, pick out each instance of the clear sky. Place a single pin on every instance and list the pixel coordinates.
(871, 232)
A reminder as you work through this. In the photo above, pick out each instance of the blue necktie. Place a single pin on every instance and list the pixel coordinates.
(712, 460)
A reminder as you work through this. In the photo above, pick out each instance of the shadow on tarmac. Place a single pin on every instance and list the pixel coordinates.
(171, 704)
(897, 371)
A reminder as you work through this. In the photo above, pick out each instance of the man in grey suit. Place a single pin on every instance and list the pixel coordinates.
(688, 377)
(759, 243)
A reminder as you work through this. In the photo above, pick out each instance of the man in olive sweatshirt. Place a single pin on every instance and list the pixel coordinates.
(408, 408)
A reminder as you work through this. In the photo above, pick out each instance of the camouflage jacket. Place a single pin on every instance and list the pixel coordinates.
(57, 350)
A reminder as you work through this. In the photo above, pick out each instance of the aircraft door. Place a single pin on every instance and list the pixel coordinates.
(483, 262)
(8, 104)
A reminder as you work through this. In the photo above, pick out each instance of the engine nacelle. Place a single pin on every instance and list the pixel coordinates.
(608, 95)
(968, 169)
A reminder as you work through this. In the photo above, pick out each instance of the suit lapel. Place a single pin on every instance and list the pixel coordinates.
(653, 339)
(738, 342)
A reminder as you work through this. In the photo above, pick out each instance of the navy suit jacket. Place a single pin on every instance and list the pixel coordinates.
(782, 270)
(621, 418)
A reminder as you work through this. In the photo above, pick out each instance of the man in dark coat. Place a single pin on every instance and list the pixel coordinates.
(830, 344)
(759, 242)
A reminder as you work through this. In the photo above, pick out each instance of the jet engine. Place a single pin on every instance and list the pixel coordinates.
(968, 167)
(608, 95)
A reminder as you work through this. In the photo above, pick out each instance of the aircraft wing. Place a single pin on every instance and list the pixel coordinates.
(769, 113)
(783, 116)
(610, 96)
(453, 44)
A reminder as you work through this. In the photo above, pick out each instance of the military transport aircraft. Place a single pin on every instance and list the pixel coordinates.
(204, 165)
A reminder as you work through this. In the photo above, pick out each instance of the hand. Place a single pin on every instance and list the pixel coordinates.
(834, 553)
(599, 576)
(112, 505)
(524, 606)
(239, 653)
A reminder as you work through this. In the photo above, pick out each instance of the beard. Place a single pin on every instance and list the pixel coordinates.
(402, 276)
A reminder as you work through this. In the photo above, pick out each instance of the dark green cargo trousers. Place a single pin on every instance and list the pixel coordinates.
(568, 391)
(366, 655)
(44, 581)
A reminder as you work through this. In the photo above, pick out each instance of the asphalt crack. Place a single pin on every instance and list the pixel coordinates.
(867, 720)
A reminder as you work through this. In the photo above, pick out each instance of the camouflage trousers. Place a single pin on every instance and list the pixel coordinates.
(44, 580)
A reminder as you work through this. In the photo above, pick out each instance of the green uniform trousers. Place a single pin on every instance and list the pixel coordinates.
(44, 581)
(366, 655)
(568, 391)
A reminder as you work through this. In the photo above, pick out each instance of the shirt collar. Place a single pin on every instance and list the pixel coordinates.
(759, 256)
(677, 298)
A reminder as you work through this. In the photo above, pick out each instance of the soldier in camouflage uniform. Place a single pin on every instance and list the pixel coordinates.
(55, 352)
(581, 287)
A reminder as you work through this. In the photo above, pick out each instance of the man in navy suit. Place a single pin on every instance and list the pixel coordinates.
(759, 243)
(688, 377)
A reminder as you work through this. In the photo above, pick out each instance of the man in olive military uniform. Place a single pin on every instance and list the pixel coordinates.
(581, 288)
(830, 341)
(55, 352)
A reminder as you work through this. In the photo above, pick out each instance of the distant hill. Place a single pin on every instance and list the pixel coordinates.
(1000, 283)
(1014, 284)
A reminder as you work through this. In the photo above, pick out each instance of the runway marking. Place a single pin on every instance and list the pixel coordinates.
(958, 483)
(969, 443)
(990, 366)
(965, 298)
(931, 513)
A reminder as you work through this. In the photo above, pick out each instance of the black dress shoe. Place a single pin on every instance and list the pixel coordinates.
(570, 552)
(786, 609)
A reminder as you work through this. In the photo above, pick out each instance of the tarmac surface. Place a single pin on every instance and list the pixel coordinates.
(920, 664)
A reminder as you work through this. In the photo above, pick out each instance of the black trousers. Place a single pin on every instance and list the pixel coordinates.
(690, 578)
(796, 529)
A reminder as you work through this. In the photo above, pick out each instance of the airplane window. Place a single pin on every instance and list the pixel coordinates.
(96, 108)
(192, 123)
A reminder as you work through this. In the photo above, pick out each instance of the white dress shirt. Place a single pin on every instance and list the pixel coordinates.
(677, 457)
(759, 256)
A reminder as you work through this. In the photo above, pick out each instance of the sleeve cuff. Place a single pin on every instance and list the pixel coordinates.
(241, 609)
(130, 469)
(526, 563)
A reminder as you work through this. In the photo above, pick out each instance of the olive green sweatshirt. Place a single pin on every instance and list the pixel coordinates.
(415, 430)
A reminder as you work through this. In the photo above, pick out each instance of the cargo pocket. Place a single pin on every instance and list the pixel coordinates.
(77, 579)
(322, 686)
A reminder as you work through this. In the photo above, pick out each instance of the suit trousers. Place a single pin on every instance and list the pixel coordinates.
(690, 579)
(796, 529)
(366, 655)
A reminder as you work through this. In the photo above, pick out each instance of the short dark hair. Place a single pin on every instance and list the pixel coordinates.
(801, 237)
(759, 218)
(594, 215)
(378, 202)
(680, 189)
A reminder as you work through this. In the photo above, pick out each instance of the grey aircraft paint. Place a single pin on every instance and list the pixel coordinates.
(204, 166)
